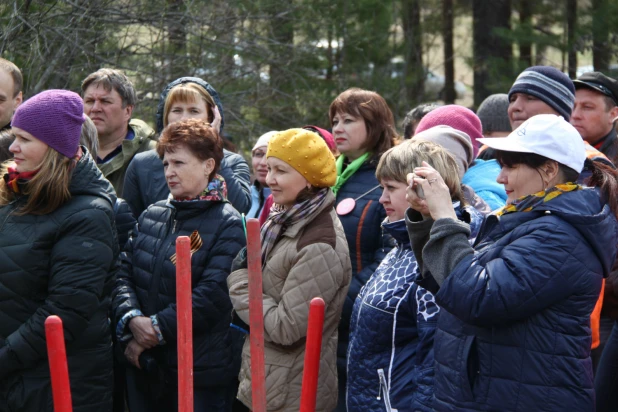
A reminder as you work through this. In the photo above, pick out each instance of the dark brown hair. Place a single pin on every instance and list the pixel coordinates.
(112, 79)
(379, 121)
(198, 136)
(605, 178)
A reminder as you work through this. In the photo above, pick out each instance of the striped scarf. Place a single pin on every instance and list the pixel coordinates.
(530, 202)
(15, 180)
(280, 219)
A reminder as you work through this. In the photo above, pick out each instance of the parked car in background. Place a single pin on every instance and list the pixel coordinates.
(434, 83)
(612, 72)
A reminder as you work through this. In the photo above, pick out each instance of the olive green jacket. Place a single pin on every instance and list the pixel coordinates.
(115, 169)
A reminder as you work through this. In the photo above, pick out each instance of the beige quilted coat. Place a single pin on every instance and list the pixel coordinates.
(310, 260)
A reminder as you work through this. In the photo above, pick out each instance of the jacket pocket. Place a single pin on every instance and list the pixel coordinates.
(383, 392)
(469, 367)
(277, 366)
(276, 385)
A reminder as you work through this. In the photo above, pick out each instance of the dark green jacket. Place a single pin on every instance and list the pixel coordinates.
(59, 264)
(115, 169)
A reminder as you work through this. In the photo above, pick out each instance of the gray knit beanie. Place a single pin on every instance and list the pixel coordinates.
(454, 141)
(493, 113)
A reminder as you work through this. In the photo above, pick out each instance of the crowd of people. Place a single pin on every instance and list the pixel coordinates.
(467, 265)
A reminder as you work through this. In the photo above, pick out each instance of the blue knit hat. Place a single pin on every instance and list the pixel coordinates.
(549, 85)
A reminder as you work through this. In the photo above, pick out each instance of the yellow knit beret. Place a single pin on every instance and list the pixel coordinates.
(306, 152)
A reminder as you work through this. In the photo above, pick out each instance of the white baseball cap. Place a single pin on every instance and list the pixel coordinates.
(547, 135)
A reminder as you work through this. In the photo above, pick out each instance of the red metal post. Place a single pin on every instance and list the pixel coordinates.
(59, 371)
(312, 356)
(256, 315)
(184, 311)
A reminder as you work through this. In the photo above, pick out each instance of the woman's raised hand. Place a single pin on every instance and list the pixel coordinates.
(437, 201)
(216, 123)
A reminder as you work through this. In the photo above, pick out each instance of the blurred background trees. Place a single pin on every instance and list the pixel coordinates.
(279, 64)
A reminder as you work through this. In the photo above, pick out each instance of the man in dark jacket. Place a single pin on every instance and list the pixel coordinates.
(109, 99)
(145, 182)
(596, 111)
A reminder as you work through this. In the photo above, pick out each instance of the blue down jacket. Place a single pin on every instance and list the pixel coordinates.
(390, 355)
(367, 243)
(514, 331)
(147, 282)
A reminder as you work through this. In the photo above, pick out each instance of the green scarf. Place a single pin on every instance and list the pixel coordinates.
(349, 171)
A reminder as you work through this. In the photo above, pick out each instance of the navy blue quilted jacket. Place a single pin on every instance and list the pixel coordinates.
(367, 243)
(390, 355)
(514, 331)
(147, 282)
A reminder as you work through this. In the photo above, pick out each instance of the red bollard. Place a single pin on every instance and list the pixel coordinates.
(59, 371)
(256, 315)
(184, 312)
(313, 349)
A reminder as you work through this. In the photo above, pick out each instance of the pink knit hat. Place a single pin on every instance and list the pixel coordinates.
(457, 117)
(55, 117)
(325, 134)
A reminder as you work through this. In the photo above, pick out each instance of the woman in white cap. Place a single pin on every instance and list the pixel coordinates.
(259, 189)
(514, 333)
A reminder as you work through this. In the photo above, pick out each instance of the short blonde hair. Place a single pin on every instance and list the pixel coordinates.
(396, 163)
(188, 92)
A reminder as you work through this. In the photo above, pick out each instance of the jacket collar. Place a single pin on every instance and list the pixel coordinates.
(398, 230)
(607, 141)
(143, 132)
(293, 230)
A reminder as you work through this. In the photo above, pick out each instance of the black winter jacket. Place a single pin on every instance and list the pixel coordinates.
(58, 264)
(147, 282)
(124, 221)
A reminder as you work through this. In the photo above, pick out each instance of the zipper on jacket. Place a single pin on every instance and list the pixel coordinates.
(384, 386)
(174, 225)
(153, 289)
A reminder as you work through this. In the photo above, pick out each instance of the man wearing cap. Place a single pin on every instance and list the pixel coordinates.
(596, 110)
(109, 99)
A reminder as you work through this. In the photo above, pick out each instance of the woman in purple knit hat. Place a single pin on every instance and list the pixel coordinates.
(57, 252)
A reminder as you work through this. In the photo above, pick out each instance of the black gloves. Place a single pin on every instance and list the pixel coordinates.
(240, 261)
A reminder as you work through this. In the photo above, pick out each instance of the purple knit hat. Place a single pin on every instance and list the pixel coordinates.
(55, 117)
(457, 117)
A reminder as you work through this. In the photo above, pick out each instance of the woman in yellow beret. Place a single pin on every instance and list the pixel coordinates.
(304, 255)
